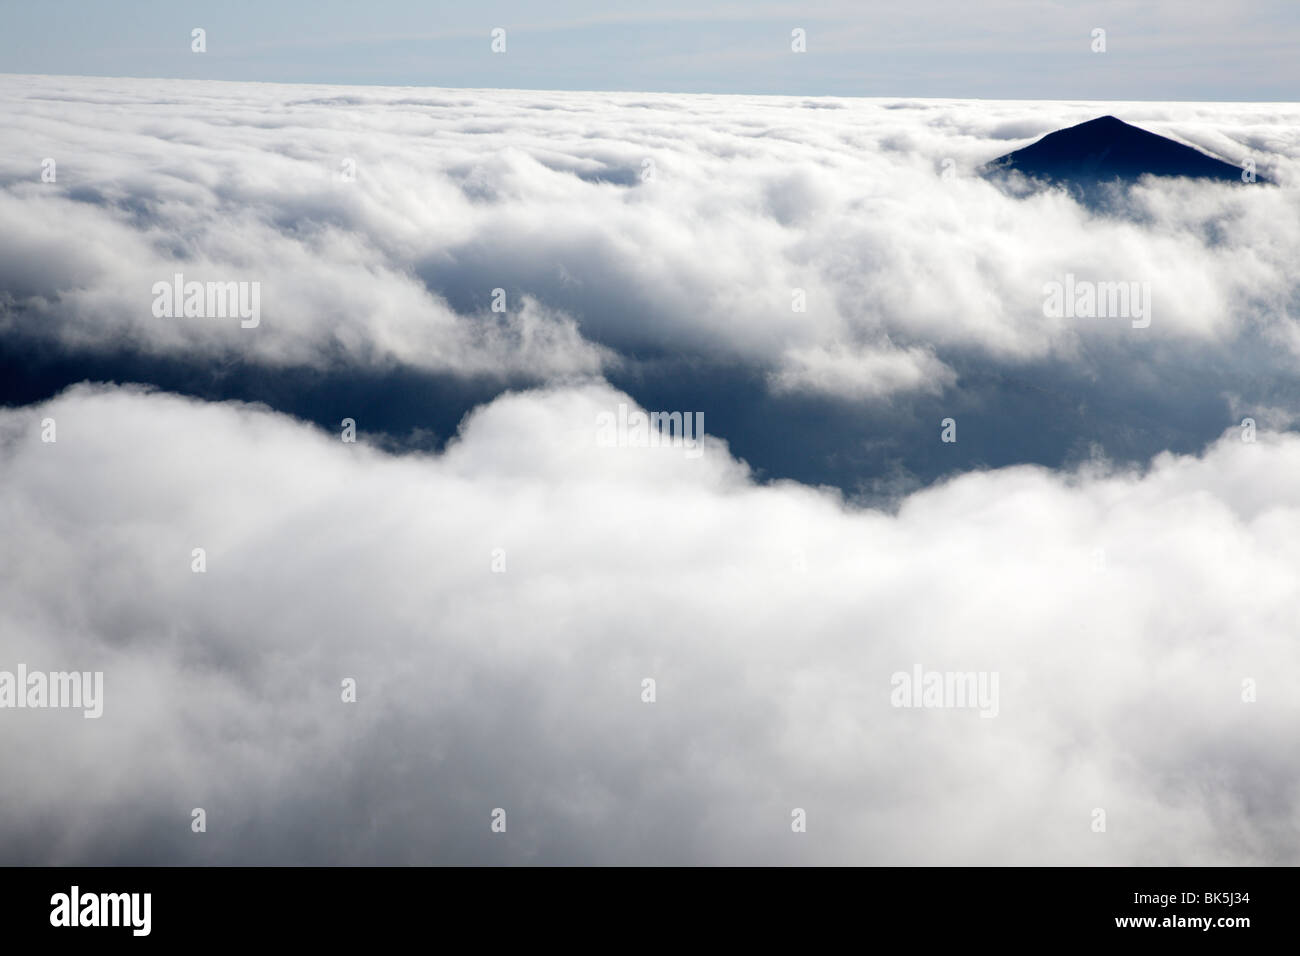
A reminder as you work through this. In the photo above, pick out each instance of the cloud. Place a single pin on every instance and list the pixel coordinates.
(857, 374)
(621, 226)
(1121, 608)
(660, 242)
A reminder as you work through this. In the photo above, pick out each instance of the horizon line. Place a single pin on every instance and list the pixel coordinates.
(558, 89)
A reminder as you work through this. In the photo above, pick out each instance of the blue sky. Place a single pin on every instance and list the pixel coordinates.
(1029, 49)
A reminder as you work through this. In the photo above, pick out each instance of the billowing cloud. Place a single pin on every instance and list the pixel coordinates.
(847, 251)
(499, 606)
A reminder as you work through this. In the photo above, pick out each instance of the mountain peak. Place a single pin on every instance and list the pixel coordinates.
(1107, 149)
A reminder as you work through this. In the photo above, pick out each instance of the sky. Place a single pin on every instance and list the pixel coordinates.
(1011, 49)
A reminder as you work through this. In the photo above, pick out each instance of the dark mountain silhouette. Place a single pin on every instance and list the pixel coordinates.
(1107, 150)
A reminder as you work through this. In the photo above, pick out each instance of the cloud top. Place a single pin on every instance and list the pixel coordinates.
(1122, 610)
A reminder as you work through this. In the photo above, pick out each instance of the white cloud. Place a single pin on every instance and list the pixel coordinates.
(772, 618)
(544, 195)
(862, 374)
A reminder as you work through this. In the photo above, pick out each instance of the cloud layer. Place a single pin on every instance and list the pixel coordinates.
(826, 280)
(1122, 610)
(620, 226)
